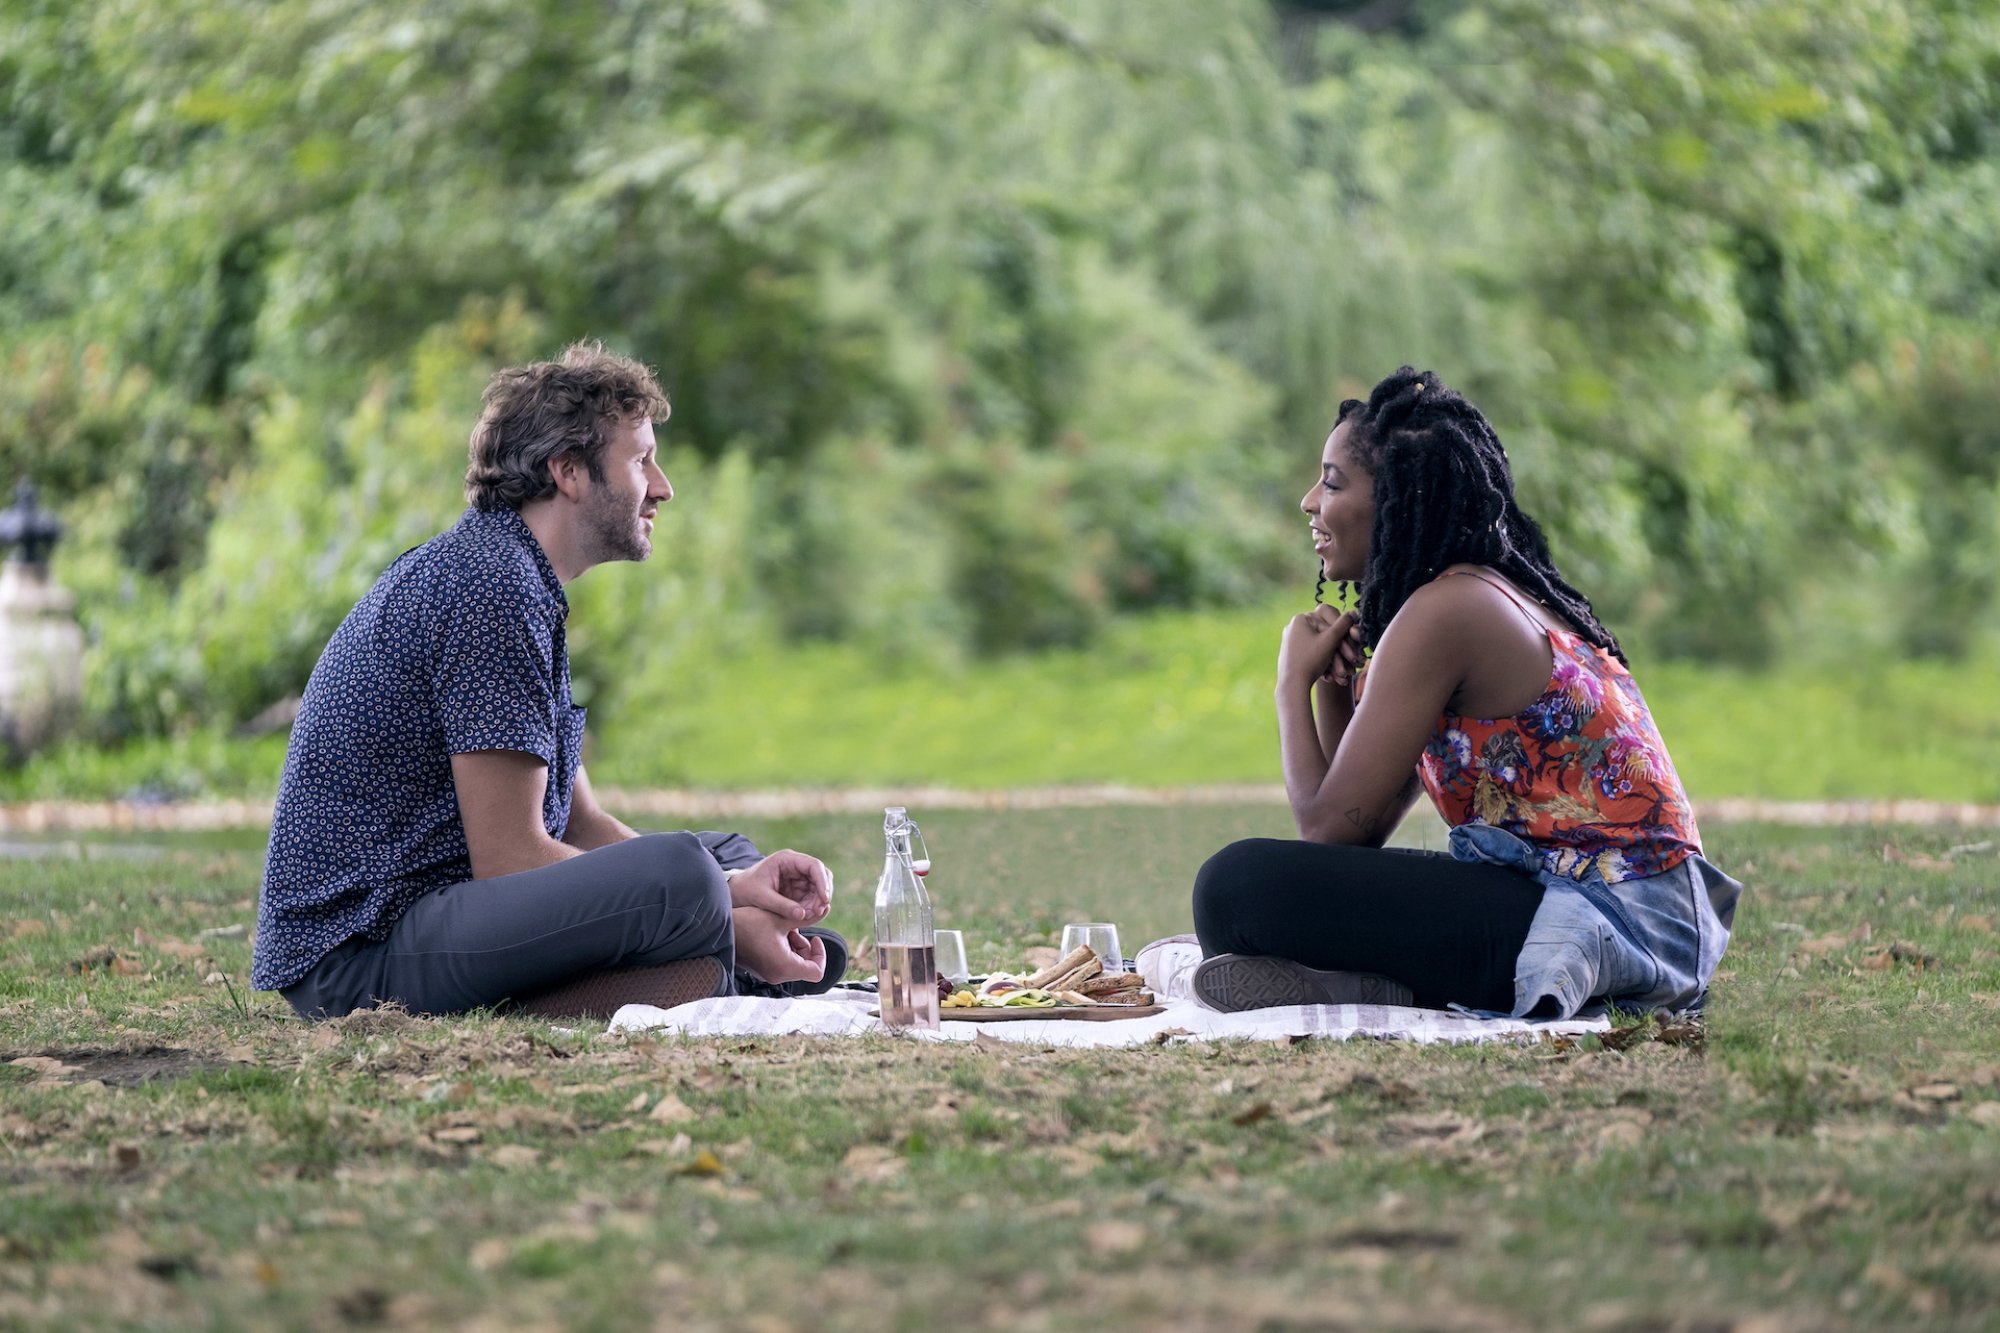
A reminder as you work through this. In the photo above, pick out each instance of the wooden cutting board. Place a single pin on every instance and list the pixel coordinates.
(1096, 1013)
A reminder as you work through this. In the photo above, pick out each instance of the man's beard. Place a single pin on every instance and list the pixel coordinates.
(616, 531)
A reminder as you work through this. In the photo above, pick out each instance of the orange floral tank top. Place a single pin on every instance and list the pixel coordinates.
(1581, 772)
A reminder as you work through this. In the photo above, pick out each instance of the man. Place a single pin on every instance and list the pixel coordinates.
(435, 841)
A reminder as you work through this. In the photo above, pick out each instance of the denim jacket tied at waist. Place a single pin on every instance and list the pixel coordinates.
(1647, 943)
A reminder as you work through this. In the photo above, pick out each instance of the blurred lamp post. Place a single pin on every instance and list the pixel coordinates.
(41, 648)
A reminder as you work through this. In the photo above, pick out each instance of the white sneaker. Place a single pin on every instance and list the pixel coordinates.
(1167, 966)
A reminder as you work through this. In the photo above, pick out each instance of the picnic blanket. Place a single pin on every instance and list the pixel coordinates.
(1165, 965)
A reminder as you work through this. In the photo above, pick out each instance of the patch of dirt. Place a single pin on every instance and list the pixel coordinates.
(117, 1069)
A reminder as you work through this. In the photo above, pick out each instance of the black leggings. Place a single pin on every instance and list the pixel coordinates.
(1449, 930)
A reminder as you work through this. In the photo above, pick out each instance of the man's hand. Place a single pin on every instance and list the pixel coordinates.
(788, 885)
(773, 948)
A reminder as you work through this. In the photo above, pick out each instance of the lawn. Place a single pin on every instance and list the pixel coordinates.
(1824, 1154)
(1164, 700)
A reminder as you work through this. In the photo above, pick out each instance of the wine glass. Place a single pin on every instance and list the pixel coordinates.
(1101, 936)
(951, 962)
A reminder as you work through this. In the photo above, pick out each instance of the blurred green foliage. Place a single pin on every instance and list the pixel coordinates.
(987, 323)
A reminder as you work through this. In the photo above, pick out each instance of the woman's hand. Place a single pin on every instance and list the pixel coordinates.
(1322, 644)
(1349, 656)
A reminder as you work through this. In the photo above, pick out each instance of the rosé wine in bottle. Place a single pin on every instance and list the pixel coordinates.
(906, 980)
(905, 946)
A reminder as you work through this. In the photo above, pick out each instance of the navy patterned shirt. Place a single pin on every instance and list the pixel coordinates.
(459, 646)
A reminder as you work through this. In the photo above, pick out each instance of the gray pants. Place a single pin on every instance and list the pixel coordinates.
(638, 903)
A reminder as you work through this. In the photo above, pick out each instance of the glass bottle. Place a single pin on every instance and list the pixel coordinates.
(905, 945)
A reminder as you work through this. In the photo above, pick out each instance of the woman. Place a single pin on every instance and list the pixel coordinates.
(1470, 667)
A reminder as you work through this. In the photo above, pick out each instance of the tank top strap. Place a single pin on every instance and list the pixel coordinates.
(1505, 591)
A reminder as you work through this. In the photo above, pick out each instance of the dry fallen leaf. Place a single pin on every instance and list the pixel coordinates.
(671, 1111)
(1307, 1115)
(672, 1147)
(1899, 952)
(1250, 1115)
(1442, 1127)
(17, 1129)
(715, 1189)
(1621, 1134)
(456, 1134)
(1935, 1092)
(1895, 855)
(516, 1155)
(1113, 1237)
(1894, 1281)
(490, 1253)
(704, 1163)
(1682, 1030)
(872, 1162)
(722, 1075)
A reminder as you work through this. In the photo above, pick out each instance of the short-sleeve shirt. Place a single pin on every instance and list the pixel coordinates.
(458, 647)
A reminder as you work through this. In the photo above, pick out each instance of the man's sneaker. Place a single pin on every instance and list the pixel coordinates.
(749, 983)
(598, 995)
(1233, 982)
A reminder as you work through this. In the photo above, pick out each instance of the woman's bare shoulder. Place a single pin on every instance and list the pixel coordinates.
(1496, 643)
(1441, 618)
(1456, 591)
(1480, 586)
(1463, 622)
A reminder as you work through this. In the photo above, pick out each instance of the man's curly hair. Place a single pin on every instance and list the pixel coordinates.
(533, 414)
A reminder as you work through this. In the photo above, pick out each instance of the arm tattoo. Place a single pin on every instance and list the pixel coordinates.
(1366, 823)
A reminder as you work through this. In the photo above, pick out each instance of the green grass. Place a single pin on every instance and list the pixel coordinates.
(1187, 699)
(1162, 701)
(1825, 1159)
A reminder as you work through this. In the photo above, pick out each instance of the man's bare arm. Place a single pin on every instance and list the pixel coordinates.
(500, 803)
(589, 826)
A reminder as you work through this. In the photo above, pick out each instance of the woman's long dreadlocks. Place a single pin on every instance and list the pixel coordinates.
(1444, 495)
